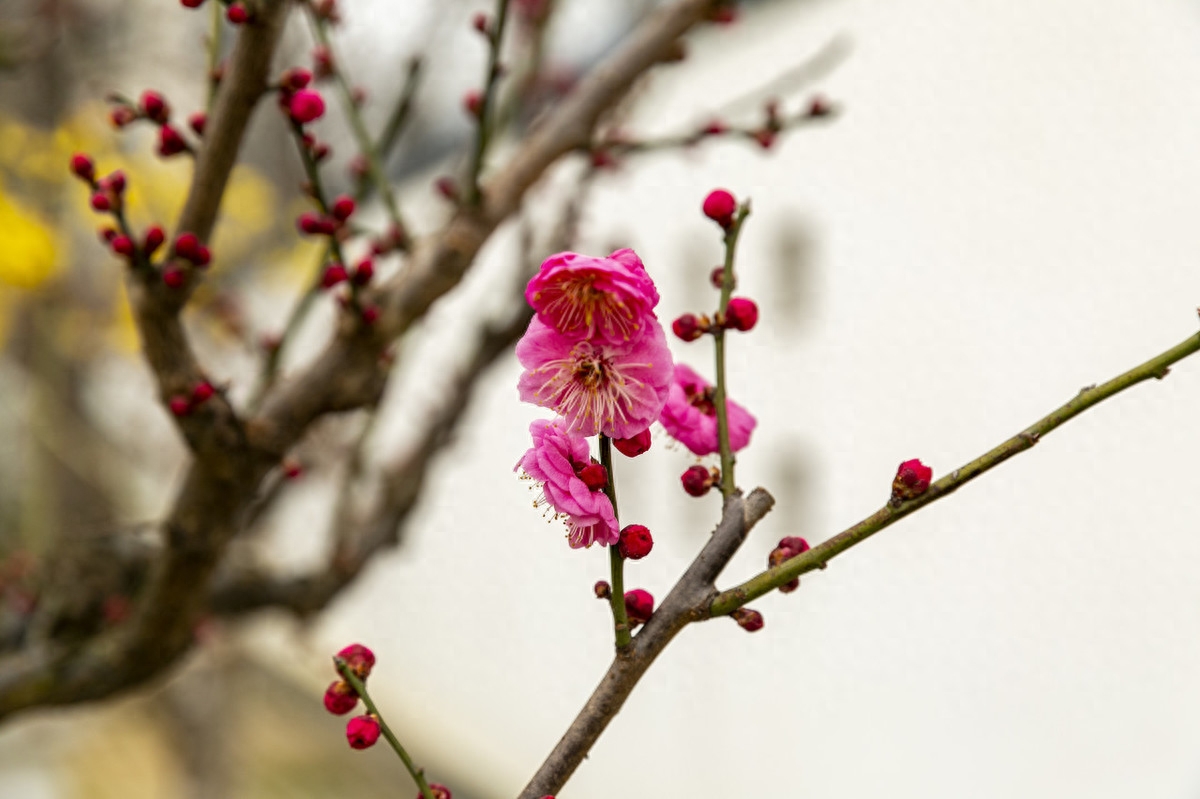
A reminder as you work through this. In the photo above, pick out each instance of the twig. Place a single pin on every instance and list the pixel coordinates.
(495, 33)
(816, 558)
(728, 485)
(616, 563)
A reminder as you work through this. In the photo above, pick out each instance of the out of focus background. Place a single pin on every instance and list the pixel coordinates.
(1004, 212)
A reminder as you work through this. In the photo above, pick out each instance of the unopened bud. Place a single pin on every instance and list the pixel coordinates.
(749, 620)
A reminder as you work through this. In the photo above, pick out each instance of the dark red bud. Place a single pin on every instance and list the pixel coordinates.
(635, 542)
(197, 121)
(594, 477)
(342, 208)
(121, 115)
(639, 606)
(340, 698)
(362, 732)
(334, 273)
(173, 276)
(741, 314)
(237, 14)
(295, 79)
(633, 446)
(170, 142)
(83, 168)
(602, 589)
(123, 245)
(154, 106)
(179, 405)
(155, 236)
(446, 187)
(114, 182)
(100, 201)
(749, 620)
(370, 315)
(359, 659)
(687, 327)
(364, 271)
(720, 206)
(438, 790)
(697, 480)
(912, 480)
(202, 392)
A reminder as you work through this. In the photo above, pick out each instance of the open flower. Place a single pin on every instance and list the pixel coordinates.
(600, 299)
(614, 389)
(690, 415)
(560, 460)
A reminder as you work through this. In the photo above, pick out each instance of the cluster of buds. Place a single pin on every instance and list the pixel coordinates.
(186, 250)
(182, 405)
(301, 104)
(340, 697)
(911, 481)
(332, 223)
(698, 480)
(639, 606)
(124, 245)
(153, 107)
(236, 12)
(740, 314)
(635, 542)
(108, 192)
(788, 548)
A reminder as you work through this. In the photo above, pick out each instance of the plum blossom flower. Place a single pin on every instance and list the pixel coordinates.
(600, 299)
(614, 389)
(690, 416)
(557, 459)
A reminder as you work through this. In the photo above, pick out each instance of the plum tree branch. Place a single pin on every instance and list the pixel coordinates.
(816, 558)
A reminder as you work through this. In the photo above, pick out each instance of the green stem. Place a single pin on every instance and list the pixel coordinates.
(816, 558)
(728, 485)
(368, 148)
(616, 563)
(360, 688)
(496, 38)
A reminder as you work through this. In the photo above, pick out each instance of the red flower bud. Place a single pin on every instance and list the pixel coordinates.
(370, 315)
(639, 606)
(179, 405)
(192, 3)
(819, 107)
(202, 392)
(197, 121)
(720, 206)
(292, 470)
(359, 659)
(364, 272)
(687, 327)
(749, 620)
(315, 224)
(340, 698)
(107, 234)
(764, 137)
(154, 239)
(173, 276)
(322, 62)
(473, 103)
(295, 79)
(717, 277)
(714, 128)
(113, 182)
(342, 207)
(594, 476)
(362, 732)
(635, 542)
(480, 22)
(203, 256)
(334, 273)
(83, 168)
(446, 187)
(741, 314)
(237, 14)
(100, 201)
(305, 106)
(633, 446)
(697, 480)
(121, 115)
(603, 589)
(439, 791)
(154, 107)
(912, 480)
(170, 142)
(123, 245)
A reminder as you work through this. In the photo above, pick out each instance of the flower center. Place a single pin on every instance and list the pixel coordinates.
(701, 398)
(579, 305)
(588, 388)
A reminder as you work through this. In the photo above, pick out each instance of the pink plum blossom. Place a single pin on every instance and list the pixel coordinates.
(597, 387)
(690, 416)
(556, 460)
(600, 299)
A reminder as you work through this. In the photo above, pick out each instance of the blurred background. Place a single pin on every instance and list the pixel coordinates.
(1003, 212)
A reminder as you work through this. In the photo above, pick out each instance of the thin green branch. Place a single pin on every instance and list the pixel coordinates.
(816, 558)
(368, 148)
(728, 485)
(615, 561)
(360, 688)
(401, 112)
(486, 118)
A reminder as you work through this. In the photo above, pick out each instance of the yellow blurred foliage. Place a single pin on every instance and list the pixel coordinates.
(27, 252)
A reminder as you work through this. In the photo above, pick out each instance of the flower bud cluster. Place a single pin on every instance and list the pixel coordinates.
(340, 697)
(182, 405)
(153, 107)
(301, 104)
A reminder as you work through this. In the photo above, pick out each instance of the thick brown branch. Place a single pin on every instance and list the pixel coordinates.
(686, 603)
